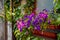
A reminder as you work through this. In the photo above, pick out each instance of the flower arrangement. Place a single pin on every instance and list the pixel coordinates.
(22, 24)
(28, 22)
(38, 21)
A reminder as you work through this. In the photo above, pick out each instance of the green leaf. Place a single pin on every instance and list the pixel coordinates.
(28, 38)
(58, 36)
(57, 5)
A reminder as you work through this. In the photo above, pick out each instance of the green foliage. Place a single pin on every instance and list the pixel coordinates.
(7, 10)
(28, 8)
(57, 5)
(58, 36)
(58, 20)
(55, 19)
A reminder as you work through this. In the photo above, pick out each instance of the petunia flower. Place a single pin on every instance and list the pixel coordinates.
(40, 20)
(28, 23)
(45, 10)
(43, 15)
(37, 27)
(20, 25)
(48, 21)
(35, 22)
(31, 16)
(25, 17)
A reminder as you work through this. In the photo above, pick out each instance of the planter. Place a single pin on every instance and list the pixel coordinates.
(58, 27)
(53, 27)
(45, 34)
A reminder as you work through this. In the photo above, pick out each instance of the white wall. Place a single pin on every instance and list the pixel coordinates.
(1, 29)
(42, 4)
(2, 25)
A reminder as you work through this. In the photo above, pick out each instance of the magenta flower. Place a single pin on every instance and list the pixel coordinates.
(35, 22)
(49, 21)
(20, 25)
(27, 24)
(31, 16)
(40, 20)
(42, 15)
(37, 27)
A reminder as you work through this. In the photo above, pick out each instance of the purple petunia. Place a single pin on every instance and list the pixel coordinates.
(40, 20)
(25, 17)
(48, 21)
(31, 16)
(37, 27)
(43, 15)
(34, 20)
(28, 23)
(20, 25)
